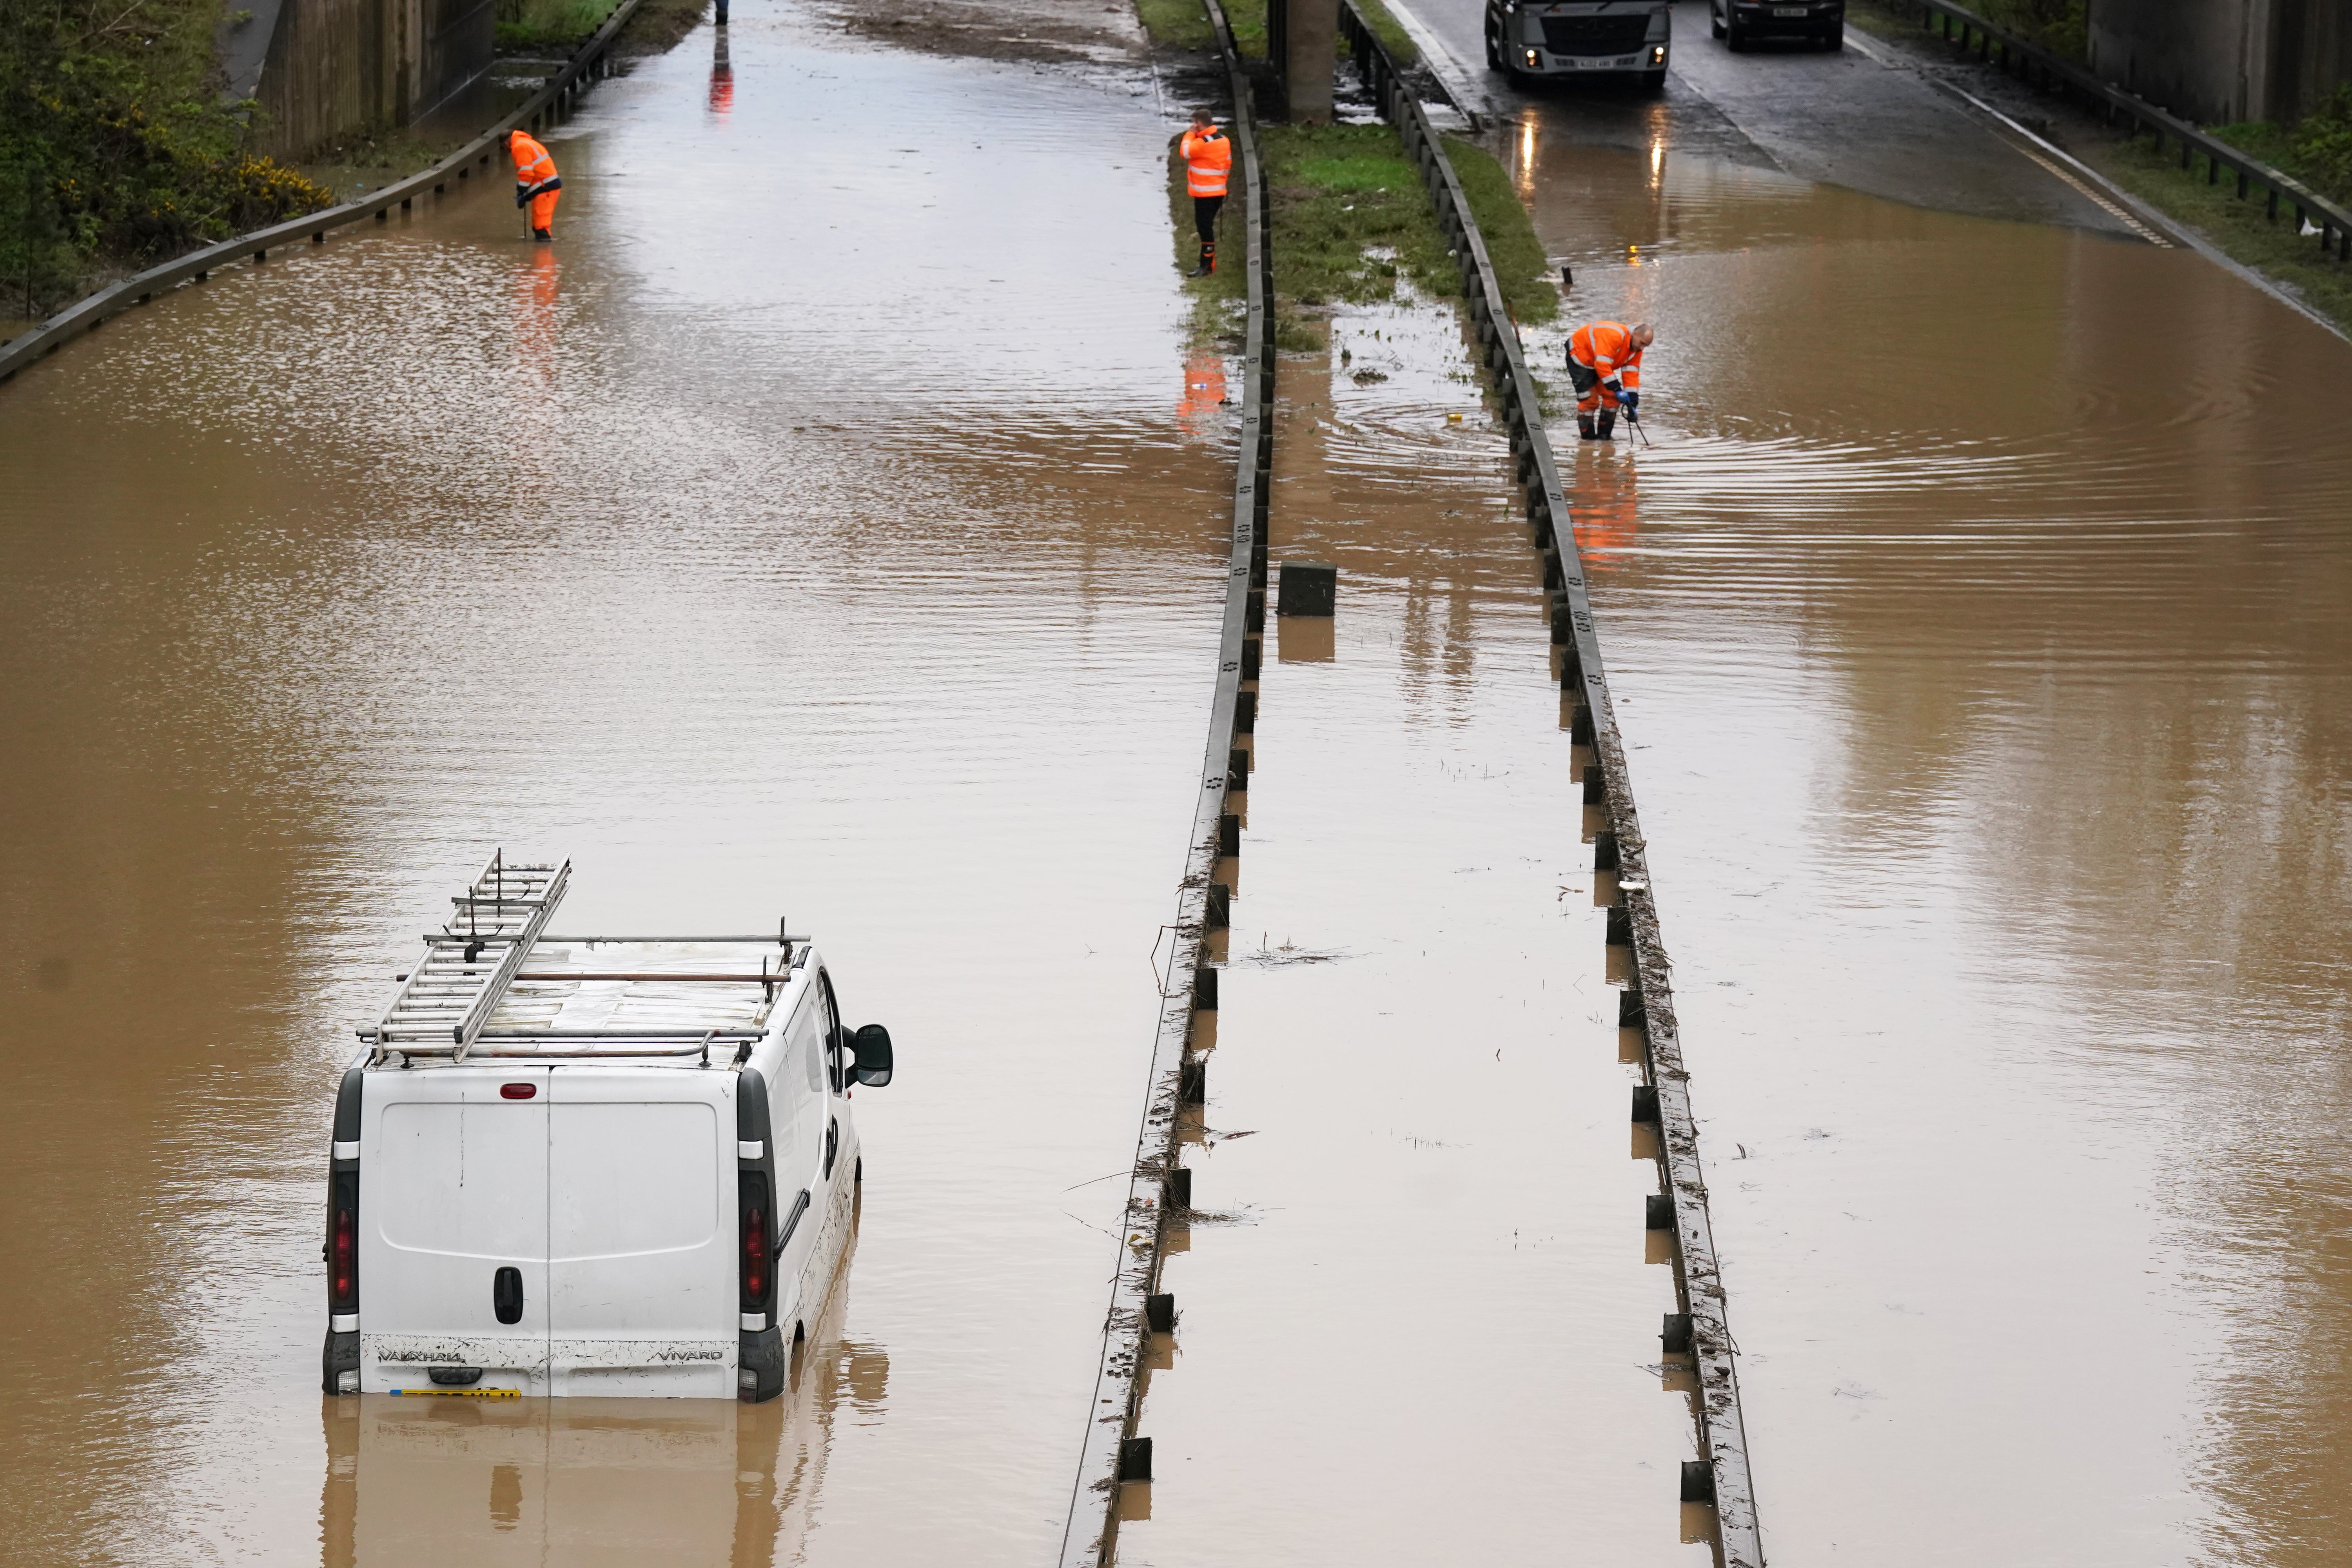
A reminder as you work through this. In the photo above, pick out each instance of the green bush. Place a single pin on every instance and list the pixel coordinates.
(116, 149)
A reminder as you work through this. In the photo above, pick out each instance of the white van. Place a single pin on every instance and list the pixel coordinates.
(591, 1166)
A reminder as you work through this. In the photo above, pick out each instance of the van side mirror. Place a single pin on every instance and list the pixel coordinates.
(872, 1046)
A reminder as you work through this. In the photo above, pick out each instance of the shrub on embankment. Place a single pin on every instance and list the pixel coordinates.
(116, 151)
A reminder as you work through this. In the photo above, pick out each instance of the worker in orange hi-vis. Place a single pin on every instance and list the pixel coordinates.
(1208, 161)
(1604, 361)
(535, 183)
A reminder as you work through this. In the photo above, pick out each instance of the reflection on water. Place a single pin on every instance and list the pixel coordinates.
(1982, 649)
(466, 1481)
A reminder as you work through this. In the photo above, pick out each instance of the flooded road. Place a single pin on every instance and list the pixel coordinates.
(829, 525)
(813, 531)
(1975, 622)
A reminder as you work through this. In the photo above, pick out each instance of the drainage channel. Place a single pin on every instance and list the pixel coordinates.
(1113, 1452)
(1648, 1035)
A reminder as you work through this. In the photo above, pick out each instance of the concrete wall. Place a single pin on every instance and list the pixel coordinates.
(2219, 61)
(326, 68)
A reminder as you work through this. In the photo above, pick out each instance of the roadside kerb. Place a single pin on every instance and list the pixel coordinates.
(542, 109)
(1160, 1188)
(1722, 1475)
(2037, 67)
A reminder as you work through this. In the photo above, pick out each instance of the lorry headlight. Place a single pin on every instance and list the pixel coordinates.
(1534, 58)
(1658, 54)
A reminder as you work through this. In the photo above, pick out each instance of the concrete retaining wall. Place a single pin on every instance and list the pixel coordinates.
(326, 69)
(2220, 61)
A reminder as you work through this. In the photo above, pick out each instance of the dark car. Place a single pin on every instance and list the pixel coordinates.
(1743, 22)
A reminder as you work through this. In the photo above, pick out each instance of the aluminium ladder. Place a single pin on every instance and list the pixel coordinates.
(466, 970)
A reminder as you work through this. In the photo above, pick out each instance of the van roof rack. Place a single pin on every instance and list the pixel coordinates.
(447, 1004)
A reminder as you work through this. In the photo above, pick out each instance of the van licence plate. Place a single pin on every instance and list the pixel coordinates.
(1587, 63)
(1788, 10)
(458, 1392)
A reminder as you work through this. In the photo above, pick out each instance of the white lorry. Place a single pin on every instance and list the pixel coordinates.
(591, 1166)
(1527, 39)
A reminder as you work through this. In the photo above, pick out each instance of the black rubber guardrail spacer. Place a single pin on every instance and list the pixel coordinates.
(1596, 786)
(1204, 989)
(1699, 1479)
(1245, 713)
(1604, 850)
(1135, 1461)
(1237, 771)
(1160, 1315)
(1658, 1211)
(1674, 1333)
(1630, 1014)
(1621, 927)
(1580, 731)
(1229, 834)
(1179, 1187)
(1193, 1086)
(1220, 912)
(1252, 651)
(1645, 1103)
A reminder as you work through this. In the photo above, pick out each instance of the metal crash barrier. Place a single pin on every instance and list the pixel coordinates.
(543, 108)
(1159, 1191)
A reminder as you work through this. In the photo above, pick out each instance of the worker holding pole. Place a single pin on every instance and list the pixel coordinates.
(1208, 164)
(1604, 361)
(536, 182)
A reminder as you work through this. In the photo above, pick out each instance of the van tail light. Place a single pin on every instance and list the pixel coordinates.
(758, 1262)
(345, 1249)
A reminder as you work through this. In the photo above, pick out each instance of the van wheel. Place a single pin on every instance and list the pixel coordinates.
(1714, 24)
(1734, 36)
(1494, 54)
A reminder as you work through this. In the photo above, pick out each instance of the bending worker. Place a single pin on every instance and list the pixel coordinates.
(1604, 361)
(535, 183)
(1208, 160)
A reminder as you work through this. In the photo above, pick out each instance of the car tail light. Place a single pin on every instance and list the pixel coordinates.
(755, 1257)
(344, 1258)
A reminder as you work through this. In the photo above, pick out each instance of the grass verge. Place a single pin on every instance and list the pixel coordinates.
(1247, 19)
(1350, 218)
(654, 25)
(2237, 228)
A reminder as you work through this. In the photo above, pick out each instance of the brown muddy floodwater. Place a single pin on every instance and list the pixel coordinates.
(830, 524)
(814, 529)
(1977, 623)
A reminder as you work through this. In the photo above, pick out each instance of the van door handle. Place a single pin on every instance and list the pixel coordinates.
(506, 1294)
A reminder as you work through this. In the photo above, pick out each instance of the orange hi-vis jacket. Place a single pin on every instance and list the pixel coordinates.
(1208, 159)
(534, 169)
(1606, 348)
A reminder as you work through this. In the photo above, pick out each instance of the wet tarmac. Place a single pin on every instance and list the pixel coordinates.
(813, 531)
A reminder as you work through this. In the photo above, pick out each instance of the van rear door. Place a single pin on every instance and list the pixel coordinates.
(453, 1240)
(642, 1284)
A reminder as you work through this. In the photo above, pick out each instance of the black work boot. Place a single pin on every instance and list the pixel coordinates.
(1584, 426)
(547, 235)
(1208, 262)
(1608, 428)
